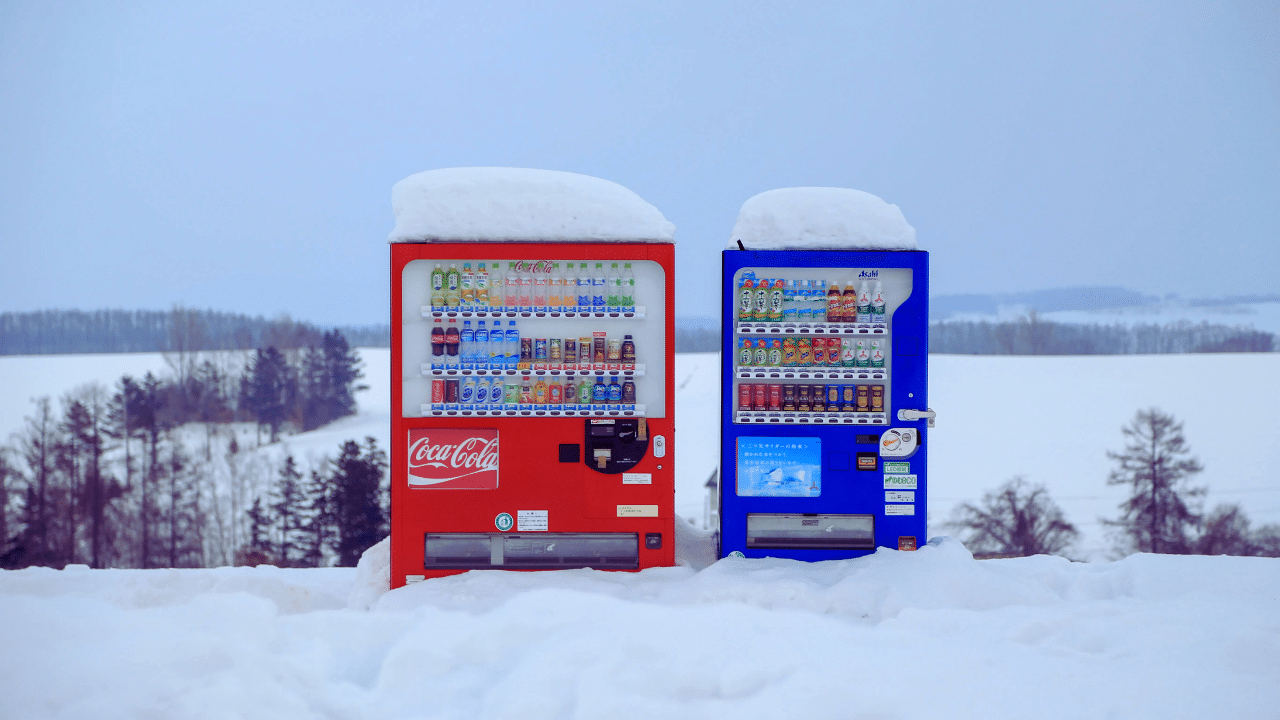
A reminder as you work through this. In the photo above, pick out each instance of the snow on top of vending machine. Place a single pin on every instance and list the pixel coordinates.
(821, 218)
(490, 204)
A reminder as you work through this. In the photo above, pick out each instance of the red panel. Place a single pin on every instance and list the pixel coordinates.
(529, 474)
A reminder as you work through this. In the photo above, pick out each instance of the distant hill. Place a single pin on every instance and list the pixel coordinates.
(60, 332)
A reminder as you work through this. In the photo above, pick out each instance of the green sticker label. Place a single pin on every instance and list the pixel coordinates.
(899, 482)
(503, 522)
(737, 553)
(897, 468)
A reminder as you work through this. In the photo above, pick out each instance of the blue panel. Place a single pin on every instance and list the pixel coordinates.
(844, 487)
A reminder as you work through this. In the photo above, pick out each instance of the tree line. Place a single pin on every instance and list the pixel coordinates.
(1031, 334)
(50, 332)
(1162, 513)
(153, 474)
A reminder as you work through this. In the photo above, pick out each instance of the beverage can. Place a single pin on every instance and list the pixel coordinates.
(833, 398)
(819, 351)
(451, 392)
(526, 353)
(877, 398)
(584, 353)
(570, 352)
(864, 399)
(555, 351)
(613, 351)
(744, 396)
(819, 399)
(848, 353)
(437, 392)
(761, 352)
(804, 398)
(746, 352)
(848, 398)
(760, 397)
(540, 350)
(511, 393)
(775, 397)
(599, 353)
(788, 398)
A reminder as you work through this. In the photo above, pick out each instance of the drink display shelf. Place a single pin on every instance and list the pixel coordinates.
(526, 410)
(822, 418)
(428, 311)
(426, 369)
(749, 327)
(774, 373)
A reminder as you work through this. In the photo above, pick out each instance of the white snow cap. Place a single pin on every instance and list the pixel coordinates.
(506, 204)
(821, 218)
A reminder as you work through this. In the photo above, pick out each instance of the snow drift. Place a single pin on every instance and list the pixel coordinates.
(821, 218)
(927, 634)
(506, 204)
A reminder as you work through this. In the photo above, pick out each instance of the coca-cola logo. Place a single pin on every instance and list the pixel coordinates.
(444, 458)
(533, 266)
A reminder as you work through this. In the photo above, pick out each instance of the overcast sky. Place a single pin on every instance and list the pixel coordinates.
(240, 156)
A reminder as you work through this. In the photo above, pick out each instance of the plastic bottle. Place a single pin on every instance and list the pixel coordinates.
(467, 393)
(599, 392)
(615, 391)
(776, 293)
(584, 289)
(585, 392)
(804, 302)
(628, 394)
(789, 302)
(835, 308)
(849, 303)
(877, 304)
(613, 289)
(452, 293)
(819, 300)
(511, 298)
(555, 290)
(599, 288)
(482, 288)
(451, 344)
(437, 344)
(482, 393)
(628, 353)
(526, 289)
(540, 283)
(480, 349)
(467, 345)
(497, 347)
(437, 288)
(864, 302)
(746, 296)
(513, 345)
(628, 289)
(468, 287)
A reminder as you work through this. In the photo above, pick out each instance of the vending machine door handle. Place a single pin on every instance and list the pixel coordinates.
(909, 415)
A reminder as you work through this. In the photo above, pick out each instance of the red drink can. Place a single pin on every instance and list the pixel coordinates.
(451, 391)
(437, 392)
(744, 396)
(775, 397)
(760, 397)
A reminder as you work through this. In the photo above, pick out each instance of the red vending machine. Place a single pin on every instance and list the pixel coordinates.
(532, 411)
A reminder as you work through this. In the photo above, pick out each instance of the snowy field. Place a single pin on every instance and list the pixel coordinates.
(929, 634)
(1050, 419)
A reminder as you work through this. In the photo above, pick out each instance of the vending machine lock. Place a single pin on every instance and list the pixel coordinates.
(614, 446)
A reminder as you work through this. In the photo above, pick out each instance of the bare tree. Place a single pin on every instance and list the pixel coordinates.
(1157, 465)
(1017, 519)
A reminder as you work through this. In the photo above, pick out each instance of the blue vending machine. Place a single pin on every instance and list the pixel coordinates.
(824, 403)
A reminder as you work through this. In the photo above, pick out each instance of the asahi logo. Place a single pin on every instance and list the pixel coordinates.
(444, 458)
(533, 266)
(869, 274)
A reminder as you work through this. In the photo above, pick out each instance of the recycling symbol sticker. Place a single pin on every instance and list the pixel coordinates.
(736, 554)
(503, 522)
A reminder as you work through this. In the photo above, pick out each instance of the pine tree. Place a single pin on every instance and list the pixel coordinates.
(321, 523)
(358, 504)
(1016, 519)
(343, 365)
(289, 507)
(259, 525)
(265, 389)
(37, 444)
(1157, 465)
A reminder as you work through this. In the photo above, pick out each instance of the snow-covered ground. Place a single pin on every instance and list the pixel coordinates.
(929, 634)
(1050, 419)
(894, 635)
